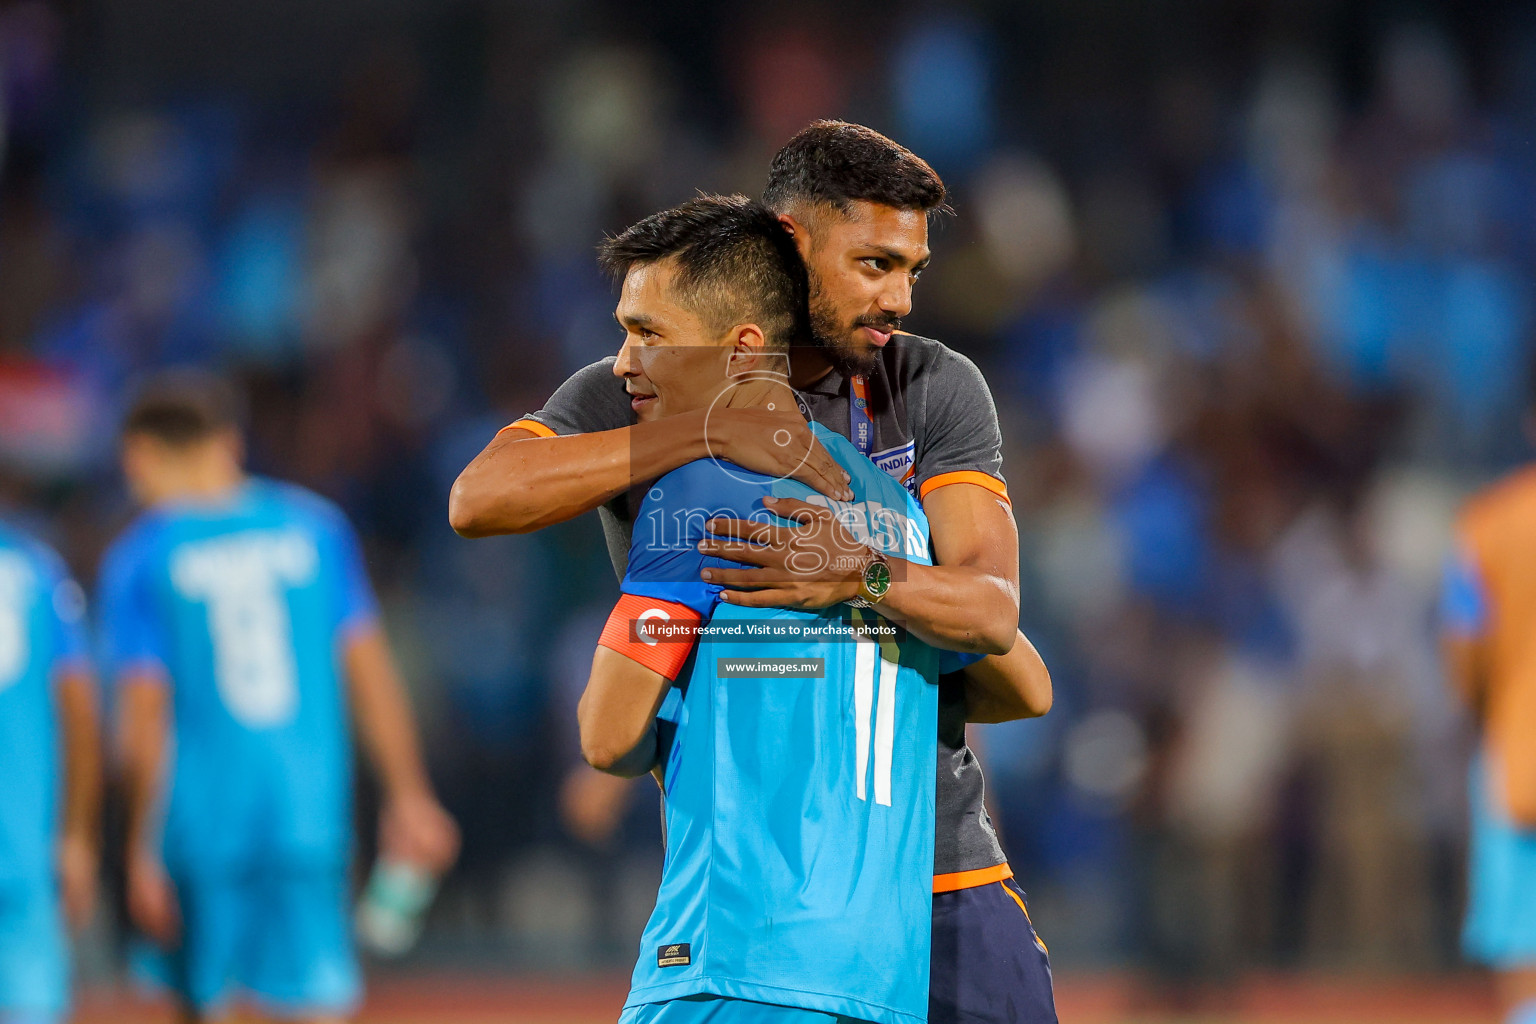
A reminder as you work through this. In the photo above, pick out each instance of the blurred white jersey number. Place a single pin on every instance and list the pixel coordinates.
(15, 583)
(244, 581)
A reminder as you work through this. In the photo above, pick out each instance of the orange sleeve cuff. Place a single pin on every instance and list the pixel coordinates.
(964, 476)
(658, 634)
(532, 426)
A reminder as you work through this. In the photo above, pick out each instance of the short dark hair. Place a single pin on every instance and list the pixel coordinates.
(836, 163)
(182, 406)
(735, 264)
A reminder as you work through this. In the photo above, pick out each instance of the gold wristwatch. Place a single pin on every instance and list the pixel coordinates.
(874, 582)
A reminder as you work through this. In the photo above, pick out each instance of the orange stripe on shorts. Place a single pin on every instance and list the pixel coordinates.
(956, 880)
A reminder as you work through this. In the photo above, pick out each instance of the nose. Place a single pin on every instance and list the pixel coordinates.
(628, 363)
(896, 296)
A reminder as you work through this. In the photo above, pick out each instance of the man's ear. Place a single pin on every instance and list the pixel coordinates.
(748, 338)
(747, 349)
(800, 231)
(132, 453)
(233, 445)
(139, 456)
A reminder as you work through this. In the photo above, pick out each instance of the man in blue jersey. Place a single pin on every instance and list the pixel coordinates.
(799, 857)
(244, 640)
(48, 831)
(1489, 610)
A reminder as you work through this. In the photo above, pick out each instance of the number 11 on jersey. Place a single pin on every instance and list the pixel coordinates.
(874, 688)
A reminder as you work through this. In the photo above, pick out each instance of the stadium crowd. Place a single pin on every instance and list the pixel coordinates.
(1250, 284)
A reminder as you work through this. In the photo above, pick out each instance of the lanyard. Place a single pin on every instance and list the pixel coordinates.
(861, 423)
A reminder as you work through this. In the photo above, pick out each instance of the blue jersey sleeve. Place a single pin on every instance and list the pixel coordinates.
(359, 607)
(1463, 598)
(664, 556)
(955, 661)
(132, 636)
(66, 615)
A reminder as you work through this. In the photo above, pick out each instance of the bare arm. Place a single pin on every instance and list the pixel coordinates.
(1463, 657)
(1464, 622)
(413, 825)
(592, 804)
(617, 714)
(969, 601)
(143, 725)
(522, 482)
(1005, 687)
(80, 732)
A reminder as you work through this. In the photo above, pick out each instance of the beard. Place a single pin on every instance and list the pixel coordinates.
(835, 339)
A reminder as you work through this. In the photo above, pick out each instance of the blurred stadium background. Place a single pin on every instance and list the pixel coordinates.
(1250, 281)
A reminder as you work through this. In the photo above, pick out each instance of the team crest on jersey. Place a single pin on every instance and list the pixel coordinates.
(678, 954)
(897, 463)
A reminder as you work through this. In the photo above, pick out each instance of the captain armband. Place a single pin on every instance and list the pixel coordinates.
(658, 634)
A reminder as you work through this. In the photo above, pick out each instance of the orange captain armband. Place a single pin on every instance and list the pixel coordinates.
(658, 634)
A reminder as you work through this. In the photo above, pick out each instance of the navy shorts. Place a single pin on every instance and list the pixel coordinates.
(989, 966)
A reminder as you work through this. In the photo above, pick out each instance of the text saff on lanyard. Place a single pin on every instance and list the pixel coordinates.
(861, 422)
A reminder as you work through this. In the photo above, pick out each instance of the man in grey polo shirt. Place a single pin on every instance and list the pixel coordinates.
(857, 205)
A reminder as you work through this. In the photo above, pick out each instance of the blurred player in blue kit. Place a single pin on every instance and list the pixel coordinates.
(800, 811)
(50, 781)
(243, 638)
(1489, 612)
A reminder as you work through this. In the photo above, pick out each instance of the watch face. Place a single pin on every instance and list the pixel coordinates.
(877, 578)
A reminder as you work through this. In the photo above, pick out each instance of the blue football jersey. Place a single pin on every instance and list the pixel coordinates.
(799, 811)
(243, 607)
(41, 634)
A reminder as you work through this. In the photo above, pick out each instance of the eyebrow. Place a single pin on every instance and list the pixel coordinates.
(635, 320)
